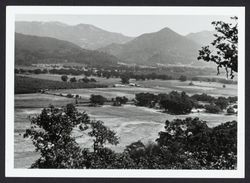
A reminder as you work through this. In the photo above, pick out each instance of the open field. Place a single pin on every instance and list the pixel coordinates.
(156, 86)
(130, 122)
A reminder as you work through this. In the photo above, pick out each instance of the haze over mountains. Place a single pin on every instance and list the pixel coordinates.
(164, 47)
(84, 35)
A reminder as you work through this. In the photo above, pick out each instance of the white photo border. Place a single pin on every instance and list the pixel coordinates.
(12, 11)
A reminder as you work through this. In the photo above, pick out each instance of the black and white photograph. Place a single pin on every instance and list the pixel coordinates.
(125, 91)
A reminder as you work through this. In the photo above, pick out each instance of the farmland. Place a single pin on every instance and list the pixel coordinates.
(131, 122)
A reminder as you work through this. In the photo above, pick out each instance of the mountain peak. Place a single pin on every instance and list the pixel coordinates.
(167, 30)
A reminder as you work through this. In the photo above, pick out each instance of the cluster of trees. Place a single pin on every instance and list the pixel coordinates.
(31, 71)
(100, 100)
(65, 78)
(180, 103)
(174, 102)
(216, 105)
(185, 144)
(219, 80)
(118, 101)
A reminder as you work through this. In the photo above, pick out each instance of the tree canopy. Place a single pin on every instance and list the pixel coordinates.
(224, 49)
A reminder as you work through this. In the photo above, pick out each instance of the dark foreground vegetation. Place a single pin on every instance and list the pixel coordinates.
(33, 85)
(184, 144)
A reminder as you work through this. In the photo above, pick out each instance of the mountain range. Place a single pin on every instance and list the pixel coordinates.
(46, 41)
(84, 35)
(202, 38)
(34, 49)
(162, 47)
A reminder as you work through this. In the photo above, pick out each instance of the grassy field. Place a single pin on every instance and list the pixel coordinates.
(157, 86)
(130, 122)
(25, 84)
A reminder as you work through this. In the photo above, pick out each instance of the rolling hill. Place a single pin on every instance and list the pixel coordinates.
(84, 35)
(35, 49)
(163, 47)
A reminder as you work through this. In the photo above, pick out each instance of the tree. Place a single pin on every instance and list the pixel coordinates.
(64, 78)
(222, 102)
(230, 110)
(52, 135)
(177, 103)
(125, 79)
(211, 108)
(183, 78)
(97, 99)
(191, 144)
(225, 53)
(57, 147)
(146, 99)
(118, 101)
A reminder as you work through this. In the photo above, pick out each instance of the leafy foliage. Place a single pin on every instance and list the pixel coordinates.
(177, 103)
(226, 47)
(97, 99)
(51, 133)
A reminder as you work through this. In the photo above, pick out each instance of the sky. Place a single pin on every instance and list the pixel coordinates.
(134, 25)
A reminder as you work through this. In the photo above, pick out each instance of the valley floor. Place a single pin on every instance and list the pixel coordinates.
(131, 123)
